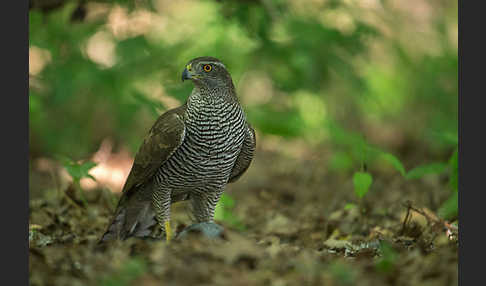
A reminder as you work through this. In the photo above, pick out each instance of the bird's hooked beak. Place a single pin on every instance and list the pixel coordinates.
(187, 73)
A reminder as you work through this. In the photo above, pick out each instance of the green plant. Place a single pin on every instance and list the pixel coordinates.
(224, 212)
(388, 257)
(362, 182)
(366, 154)
(449, 208)
(130, 271)
(78, 171)
(343, 273)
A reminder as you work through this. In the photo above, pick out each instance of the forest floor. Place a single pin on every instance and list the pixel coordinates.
(290, 224)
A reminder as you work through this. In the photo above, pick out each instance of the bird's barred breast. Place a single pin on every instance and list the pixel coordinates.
(214, 136)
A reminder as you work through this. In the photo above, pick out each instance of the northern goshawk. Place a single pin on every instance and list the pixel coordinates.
(190, 153)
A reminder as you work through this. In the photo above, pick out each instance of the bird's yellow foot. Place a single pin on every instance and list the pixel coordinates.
(168, 231)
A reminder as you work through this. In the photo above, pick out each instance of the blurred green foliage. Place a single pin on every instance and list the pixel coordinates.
(78, 171)
(224, 212)
(388, 257)
(371, 89)
(95, 102)
(128, 272)
(343, 273)
(449, 209)
(420, 171)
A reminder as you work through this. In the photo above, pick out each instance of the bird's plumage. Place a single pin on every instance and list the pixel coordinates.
(191, 152)
(246, 155)
(165, 136)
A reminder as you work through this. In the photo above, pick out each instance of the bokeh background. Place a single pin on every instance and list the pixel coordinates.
(344, 86)
(320, 74)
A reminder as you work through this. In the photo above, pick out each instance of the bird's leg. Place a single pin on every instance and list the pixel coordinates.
(161, 204)
(204, 204)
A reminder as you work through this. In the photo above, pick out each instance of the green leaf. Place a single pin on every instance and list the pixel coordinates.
(450, 138)
(341, 161)
(79, 171)
(362, 182)
(420, 171)
(91, 177)
(85, 167)
(450, 207)
(373, 151)
(453, 165)
(395, 162)
(349, 206)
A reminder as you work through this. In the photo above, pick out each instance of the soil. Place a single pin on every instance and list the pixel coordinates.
(291, 224)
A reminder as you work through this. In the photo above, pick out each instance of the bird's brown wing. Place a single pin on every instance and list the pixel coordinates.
(246, 154)
(133, 216)
(163, 139)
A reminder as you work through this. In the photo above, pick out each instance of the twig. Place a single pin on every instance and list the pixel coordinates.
(429, 219)
(72, 202)
(451, 230)
(407, 217)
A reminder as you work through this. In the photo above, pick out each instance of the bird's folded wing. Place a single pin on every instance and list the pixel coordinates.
(163, 139)
(246, 155)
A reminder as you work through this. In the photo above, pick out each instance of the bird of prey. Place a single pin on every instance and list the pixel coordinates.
(191, 153)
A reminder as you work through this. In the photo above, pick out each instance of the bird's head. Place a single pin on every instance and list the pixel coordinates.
(207, 72)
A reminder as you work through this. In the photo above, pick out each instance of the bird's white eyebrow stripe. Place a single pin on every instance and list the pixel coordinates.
(215, 63)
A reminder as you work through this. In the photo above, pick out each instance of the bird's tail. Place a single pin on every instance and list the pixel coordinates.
(132, 218)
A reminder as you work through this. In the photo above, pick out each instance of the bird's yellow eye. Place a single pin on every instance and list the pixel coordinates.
(207, 68)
